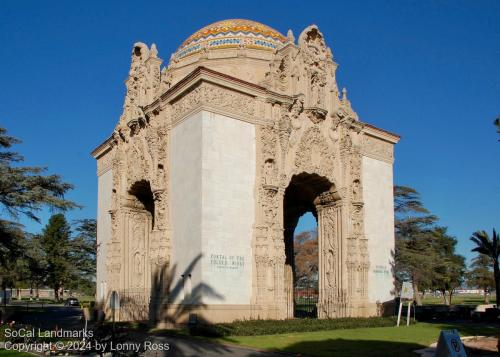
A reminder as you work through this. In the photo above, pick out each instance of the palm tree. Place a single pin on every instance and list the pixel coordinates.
(490, 248)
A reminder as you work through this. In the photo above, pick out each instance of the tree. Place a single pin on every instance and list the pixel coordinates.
(35, 261)
(23, 189)
(10, 233)
(28, 270)
(56, 245)
(480, 275)
(449, 267)
(11, 236)
(83, 250)
(306, 259)
(414, 252)
(490, 247)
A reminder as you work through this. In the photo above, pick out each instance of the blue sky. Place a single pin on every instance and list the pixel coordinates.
(427, 70)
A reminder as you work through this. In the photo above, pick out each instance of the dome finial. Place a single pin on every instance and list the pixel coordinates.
(153, 52)
(344, 94)
(290, 36)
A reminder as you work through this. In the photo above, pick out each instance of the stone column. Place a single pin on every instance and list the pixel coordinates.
(332, 295)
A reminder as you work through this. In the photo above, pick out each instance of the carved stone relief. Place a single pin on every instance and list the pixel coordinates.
(314, 155)
(312, 140)
(139, 143)
(218, 97)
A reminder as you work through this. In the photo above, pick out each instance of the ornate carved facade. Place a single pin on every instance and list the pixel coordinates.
(306, 136)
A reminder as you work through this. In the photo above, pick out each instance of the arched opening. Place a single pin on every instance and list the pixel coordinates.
(139, 223)
(141, 190)
(301, 198)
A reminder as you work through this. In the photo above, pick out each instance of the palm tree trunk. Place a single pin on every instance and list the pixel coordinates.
(416, 294)
(451, 295)
(443, 292)
(486, 297)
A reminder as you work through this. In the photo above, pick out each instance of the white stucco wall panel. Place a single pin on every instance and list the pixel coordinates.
(104, 192)
(185, 209)
(212, 179)
(228, 204)
(379, 227)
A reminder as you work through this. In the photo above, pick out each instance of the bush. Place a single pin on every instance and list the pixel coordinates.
(271, 327)
(89, 304)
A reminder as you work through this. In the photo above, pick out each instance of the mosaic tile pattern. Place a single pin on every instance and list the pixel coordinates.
(232, 34)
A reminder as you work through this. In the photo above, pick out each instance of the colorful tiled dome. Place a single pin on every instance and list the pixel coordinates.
(232, 34)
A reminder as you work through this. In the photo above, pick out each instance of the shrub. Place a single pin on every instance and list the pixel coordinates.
(270, 327)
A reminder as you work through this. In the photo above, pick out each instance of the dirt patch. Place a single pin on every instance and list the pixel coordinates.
(481, 346)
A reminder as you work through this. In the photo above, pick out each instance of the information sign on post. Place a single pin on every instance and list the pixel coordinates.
(406, 294)
(407, 291)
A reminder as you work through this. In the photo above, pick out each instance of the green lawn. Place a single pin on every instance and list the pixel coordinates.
(86, 298)
(465, 299)
(375, 341)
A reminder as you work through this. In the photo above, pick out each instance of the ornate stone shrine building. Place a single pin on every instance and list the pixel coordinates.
(213, 161)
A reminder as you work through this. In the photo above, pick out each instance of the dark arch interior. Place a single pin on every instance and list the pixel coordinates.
(299, 199)
(142, 191)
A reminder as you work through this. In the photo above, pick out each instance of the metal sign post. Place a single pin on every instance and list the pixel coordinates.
(399, 311)
(408, 314)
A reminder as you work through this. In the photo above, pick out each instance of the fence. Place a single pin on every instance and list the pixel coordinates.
(33, 293)
(305, 303)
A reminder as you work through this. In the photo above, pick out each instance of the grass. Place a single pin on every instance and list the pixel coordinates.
(375, 341)
(86, 298)
(462, 299)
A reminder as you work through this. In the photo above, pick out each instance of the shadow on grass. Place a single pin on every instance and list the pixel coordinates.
(189, 346)
(471, 328)
(345, 348)
(472, 301)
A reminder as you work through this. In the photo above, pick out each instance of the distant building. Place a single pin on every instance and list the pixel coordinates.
(469, 291)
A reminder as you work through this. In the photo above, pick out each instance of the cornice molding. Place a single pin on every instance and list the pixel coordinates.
(381, 133)
(102, 149)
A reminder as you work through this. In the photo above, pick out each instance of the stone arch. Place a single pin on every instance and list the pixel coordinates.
(310, 192)
(141, 192)
(139, 213)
